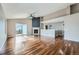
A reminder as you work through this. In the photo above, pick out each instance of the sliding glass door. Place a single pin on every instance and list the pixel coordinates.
(21, 29)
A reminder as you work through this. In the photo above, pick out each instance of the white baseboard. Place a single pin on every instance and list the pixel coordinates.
(72, 40)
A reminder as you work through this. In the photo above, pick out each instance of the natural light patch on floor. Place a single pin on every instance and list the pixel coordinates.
(20, 42)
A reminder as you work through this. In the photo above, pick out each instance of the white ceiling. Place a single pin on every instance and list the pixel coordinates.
(23, 10)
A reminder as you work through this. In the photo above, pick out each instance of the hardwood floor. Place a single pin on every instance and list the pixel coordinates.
(30, 45)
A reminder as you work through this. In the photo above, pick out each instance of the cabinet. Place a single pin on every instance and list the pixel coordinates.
(48, 32)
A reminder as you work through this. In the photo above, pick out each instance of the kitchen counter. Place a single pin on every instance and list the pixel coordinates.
(48, 32)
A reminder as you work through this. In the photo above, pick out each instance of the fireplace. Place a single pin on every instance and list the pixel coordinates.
(35, 30)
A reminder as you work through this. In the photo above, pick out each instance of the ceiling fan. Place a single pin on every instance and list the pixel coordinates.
(32, 15)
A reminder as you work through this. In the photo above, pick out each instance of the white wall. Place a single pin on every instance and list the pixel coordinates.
(72, 27)
(2, 30)
(11, 26)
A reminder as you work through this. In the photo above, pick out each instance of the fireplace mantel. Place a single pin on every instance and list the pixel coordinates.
(36, 31)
